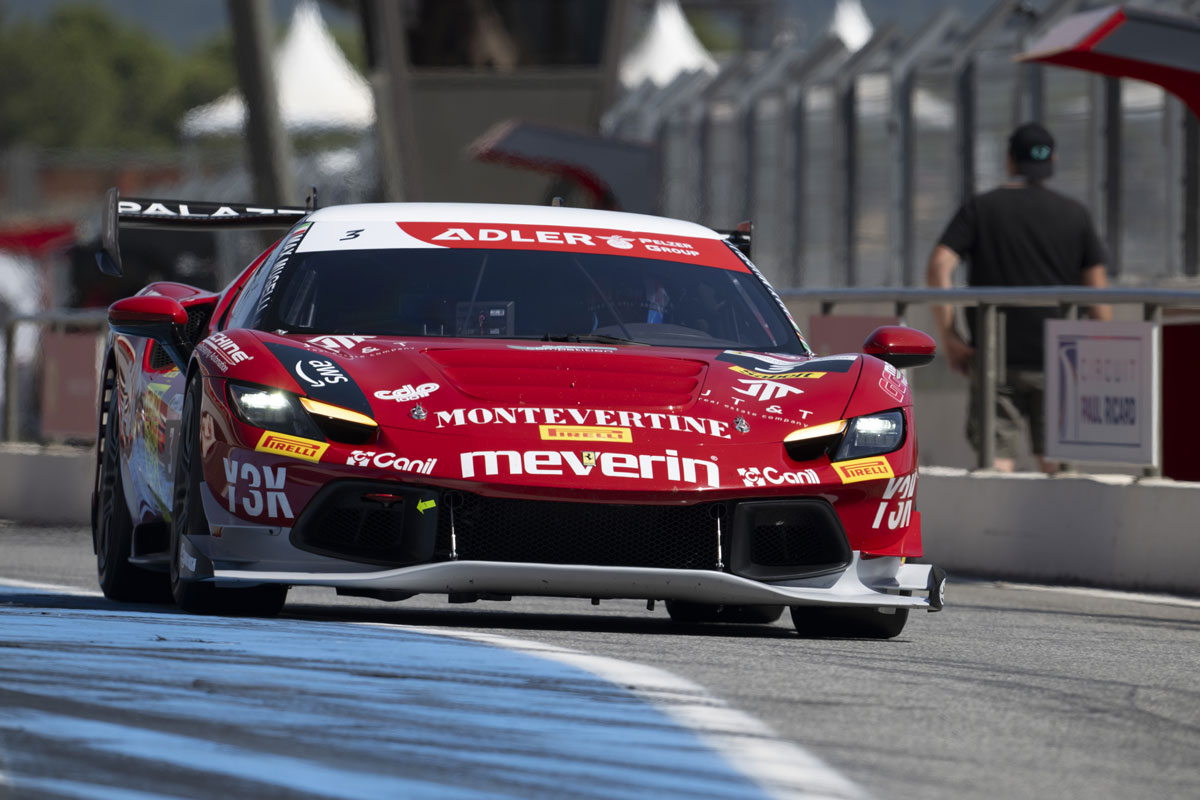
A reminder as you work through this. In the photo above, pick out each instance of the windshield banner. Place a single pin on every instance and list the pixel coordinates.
(507, 236)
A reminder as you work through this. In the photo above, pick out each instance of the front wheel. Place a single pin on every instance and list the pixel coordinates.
(817, 622)
(188, 519)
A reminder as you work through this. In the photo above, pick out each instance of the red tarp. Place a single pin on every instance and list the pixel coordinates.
(1128, 43)
(38, 240)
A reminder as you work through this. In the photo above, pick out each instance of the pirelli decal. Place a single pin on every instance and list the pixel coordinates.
(585, 433)
(294, 446)
(864, 469)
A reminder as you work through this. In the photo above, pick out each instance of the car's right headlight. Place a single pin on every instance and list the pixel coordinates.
(872, 435)
(273, 410)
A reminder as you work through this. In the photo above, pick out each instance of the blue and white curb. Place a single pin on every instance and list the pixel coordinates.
(335, 709)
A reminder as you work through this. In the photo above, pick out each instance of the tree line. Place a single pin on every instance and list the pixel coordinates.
(82, 78)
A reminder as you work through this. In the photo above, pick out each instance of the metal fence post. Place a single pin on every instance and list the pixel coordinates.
(1152, 312)
(10, 382)
(986, 378)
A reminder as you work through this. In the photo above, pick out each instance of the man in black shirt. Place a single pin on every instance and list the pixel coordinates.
(1020, 234)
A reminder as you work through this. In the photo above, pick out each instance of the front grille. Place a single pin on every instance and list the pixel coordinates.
(782, 539)
(596, 534)
(380, 523)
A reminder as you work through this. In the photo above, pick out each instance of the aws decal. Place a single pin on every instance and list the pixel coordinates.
(321, 377)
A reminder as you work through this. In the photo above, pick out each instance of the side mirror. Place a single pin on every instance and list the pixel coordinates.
(155, 317)
(899, 346)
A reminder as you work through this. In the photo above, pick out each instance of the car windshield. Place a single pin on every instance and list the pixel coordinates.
(527, 294)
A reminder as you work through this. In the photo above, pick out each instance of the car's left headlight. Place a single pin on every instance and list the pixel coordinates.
(872, 435)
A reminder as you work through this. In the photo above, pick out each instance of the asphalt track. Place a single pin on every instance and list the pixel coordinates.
(1012, 691)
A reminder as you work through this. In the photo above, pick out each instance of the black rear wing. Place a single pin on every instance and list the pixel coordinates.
(141, 212)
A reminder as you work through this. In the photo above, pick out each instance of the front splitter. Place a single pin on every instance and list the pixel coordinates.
(874, 582)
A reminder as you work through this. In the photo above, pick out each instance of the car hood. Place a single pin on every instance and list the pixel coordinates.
(506, 389)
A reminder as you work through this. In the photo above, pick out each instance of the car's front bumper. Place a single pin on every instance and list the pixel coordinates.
(878, 582)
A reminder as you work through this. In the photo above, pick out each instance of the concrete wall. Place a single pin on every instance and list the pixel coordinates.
(1112, 531)
(46, 485)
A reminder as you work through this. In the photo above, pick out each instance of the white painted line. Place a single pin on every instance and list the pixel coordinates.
(781, 768)
(1087, 591)
(50, 587)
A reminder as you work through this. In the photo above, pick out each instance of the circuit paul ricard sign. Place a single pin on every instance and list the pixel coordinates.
(1102, 392)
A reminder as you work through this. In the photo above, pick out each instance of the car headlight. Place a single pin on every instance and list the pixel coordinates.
(872, 435)
(284, 412)
(814, 441)
(340, 424)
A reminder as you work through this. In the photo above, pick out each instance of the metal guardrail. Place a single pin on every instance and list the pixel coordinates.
(989, 301)
(77, 319)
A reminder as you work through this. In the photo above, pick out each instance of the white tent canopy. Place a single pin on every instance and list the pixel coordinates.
(318, 88)
(851, 24)
(667, 48)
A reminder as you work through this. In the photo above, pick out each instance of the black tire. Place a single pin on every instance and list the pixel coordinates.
(816, 622)
(683, 611)
(188, 518)
(113, 527)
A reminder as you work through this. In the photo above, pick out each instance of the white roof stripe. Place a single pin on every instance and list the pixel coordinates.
(500, 214)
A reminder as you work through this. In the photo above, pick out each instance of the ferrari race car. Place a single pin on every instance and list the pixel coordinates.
(484, 401)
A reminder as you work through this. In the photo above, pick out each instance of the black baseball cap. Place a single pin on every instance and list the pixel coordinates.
(1032, 149)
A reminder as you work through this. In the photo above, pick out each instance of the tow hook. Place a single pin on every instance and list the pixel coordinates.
(937, 588)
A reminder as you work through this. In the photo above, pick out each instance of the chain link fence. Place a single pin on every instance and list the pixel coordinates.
(850, 164)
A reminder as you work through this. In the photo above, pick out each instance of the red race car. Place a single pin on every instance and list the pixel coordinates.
(484, 401)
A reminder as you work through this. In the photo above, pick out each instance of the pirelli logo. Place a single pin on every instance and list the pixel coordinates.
(294, 446)
(585, 433)
(762, 376)
(864, 469)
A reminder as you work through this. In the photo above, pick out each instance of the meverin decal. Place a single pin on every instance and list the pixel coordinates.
(284, 255)
(224, 351)
(764, 390)
(754, 476)
(371, 458)
(256, 491)
(583, 416)
(900, 489)
(669, 466)
(321, 378)
(407, 393)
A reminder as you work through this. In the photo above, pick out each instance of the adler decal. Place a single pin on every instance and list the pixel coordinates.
(507, 236)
